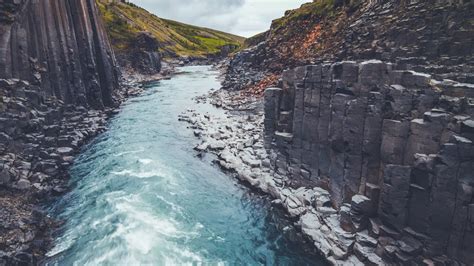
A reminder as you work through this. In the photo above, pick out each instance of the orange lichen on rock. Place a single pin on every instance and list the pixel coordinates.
(309, 41)
(259, 88)
(313, 36)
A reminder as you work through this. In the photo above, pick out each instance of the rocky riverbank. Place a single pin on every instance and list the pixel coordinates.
(391, 144)
(58, 83)
(356, 229)
(40, 137)
(237, 143)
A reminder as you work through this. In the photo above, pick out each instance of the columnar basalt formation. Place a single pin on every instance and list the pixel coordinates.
(394, 149)
(61, 46)
(57, 77)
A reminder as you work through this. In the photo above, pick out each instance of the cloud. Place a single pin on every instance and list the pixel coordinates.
(242, 17)
(191, 8)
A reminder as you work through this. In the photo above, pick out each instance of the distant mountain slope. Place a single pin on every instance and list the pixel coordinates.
(125, 21)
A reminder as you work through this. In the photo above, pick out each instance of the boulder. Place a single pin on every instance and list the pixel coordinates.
(23, 184)
(362, 204)
(5, 176)
(65, 151)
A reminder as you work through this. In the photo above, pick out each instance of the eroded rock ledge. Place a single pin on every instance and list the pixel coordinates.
(390, 155)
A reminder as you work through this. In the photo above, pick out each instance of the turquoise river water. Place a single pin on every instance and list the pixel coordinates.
(140, 196)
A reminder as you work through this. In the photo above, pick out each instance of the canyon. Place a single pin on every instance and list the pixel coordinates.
(356, 118)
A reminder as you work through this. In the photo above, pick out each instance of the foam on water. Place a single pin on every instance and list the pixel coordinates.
(145, 161)
(138, 174)
(127, 152)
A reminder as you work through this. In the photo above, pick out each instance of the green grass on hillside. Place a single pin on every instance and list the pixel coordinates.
(118, 29)
(124, 21)
(319, 7)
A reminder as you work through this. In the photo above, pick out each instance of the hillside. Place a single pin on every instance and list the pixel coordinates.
(426, 36)
(125, 21)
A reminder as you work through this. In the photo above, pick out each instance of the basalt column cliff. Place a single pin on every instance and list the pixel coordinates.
(386, 139)
(393, 148)
(57, 76)
(60, 46)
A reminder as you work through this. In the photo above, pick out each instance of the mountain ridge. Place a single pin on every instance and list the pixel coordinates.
(427, 36)
(176, 39)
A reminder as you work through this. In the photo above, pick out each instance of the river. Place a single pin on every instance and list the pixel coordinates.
(141, 196)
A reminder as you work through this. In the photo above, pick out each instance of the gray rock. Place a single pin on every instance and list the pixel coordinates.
(345, 218)
(5, 176)
(374, 227)
(216, 145)
(322, 201)
(367, 255)
(65, 151)
(364, 239)
(23, 184)
(202, 147)
(394, 196)
(247, 159)
(410, 246)
(4, 138)
(362, 204)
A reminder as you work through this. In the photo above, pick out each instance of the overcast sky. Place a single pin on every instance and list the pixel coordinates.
(242, 17)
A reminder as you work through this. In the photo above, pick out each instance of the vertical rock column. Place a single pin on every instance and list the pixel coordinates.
(295, 152)
(310, 135)
(326, 89)
(272, 113)
(338, 147)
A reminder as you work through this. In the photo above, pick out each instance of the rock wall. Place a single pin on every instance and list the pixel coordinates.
(394, 149)
(61, 46)
(56, 66)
